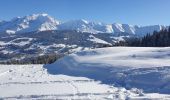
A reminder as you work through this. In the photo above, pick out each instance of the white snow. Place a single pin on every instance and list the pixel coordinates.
(140, 67)
(10, 32)
(134, 57)
(119, 38)
(118, 27)
(93, 74)
(2, 43)
(22, 41)
(18, 41)
(6, 51)
(141, 31)
(44, 22)
(97, 40)
(30, 23)
(34, 82)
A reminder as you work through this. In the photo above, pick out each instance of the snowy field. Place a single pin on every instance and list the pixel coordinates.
(94, 74)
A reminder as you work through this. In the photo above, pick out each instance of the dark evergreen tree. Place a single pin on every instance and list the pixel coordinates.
(157, 39)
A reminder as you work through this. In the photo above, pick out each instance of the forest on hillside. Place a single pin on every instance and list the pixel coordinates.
(155, 39)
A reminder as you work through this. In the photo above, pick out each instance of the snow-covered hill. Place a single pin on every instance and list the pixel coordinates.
(86, 26)
(101, 74)
(44, 22)
(27, 82)
(144, 68)
(19, 46)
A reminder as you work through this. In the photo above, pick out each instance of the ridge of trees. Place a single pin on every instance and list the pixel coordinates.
(44, 59)
(157, 39)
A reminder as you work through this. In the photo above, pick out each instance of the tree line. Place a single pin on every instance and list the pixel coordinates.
(156, 39)
(44, 59)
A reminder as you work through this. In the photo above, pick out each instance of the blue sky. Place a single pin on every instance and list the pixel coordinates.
(140, 12)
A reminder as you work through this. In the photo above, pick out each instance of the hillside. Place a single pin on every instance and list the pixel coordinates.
(143, 68)
(117, 73)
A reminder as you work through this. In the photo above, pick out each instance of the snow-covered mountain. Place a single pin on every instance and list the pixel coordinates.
(85, 26)
(35, 22)
(44, 22)
(42, 34)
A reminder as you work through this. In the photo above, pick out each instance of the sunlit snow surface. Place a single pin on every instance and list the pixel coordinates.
(92, 74)
(33, 82)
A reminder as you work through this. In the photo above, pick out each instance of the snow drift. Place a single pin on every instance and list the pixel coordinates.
(27, 82)
(144, 68)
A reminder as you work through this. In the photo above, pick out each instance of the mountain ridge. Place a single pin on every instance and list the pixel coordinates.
(44, 22)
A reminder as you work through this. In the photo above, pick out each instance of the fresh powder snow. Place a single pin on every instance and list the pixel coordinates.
(115, 73)
(139, 67)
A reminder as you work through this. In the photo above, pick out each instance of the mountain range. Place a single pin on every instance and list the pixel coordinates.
(40, 34)
(44, 22)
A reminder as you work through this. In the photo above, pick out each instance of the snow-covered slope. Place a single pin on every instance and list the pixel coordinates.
(118, 28)
(85, 26)
(141, 31)
(136, 30)
(44, 22)
(33, 82)
(101, 74)
(144, 68)
(35, 22)
(25, 82)
(19, 46)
